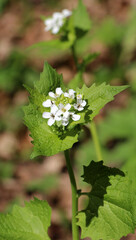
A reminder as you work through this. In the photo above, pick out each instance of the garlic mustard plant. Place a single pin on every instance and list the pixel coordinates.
(55, 116)
(57, 21)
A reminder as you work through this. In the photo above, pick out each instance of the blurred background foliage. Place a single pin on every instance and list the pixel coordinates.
(113, 36)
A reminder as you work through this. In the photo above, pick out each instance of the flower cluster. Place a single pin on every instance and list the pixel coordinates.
(56, 22)
(63, 107)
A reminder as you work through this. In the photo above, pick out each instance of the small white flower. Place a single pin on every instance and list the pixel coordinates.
(51, 115)
(57, 16)
(70, 94)
(57, 94)
(49, 23)
(64, 111)
(79, 97)
(64, 108)
(56, 22)
(80, 105)
(66, 12)
(75, 117)
(48, 103)
(65, 121)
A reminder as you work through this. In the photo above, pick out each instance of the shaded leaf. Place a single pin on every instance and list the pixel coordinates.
(111, 204)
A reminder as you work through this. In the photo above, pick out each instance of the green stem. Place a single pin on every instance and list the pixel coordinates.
(75, 230)
(75, 56)
(96, 140)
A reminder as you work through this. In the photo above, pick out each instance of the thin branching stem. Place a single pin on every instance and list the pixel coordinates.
(75, 229)
(75, 56)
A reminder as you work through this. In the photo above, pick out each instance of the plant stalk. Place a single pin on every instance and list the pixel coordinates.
(75, 56)
(75, 229)
(96, 141)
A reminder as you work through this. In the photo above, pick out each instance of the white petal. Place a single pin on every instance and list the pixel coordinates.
(51, 121)
(47, 103)
(80, 108)
(66, 12)
(65, 122)
(68, 106)
(83, 103)
(66, 115)
(59, 113)
(61, 106)
(66, 94)
(54, 109)
(58, 118)
(71, 91)
(51, 94)
(59, 23)
(79, 96)
(75, 117)
(48, 22)
(75, 106)
(59, 91)
(46, 115)
(57, 15)
(55, 29)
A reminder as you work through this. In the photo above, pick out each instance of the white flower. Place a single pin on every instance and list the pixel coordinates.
(64, 113)
(70, 94)
(75, 117)
(66, 12)
(49, 23)
(79, 97)
(61, 106)
(52, 115)
(65, 121)
(48, 103)
(66, 117)
(64, 108)
(57, 93)
(56, 22)
(80, 105)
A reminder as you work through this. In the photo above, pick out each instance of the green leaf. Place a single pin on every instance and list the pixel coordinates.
(111, 204)
(46, 142)
(49, 80)
(98, 96)
(28, 223)
(47, 48)
(81, 17)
